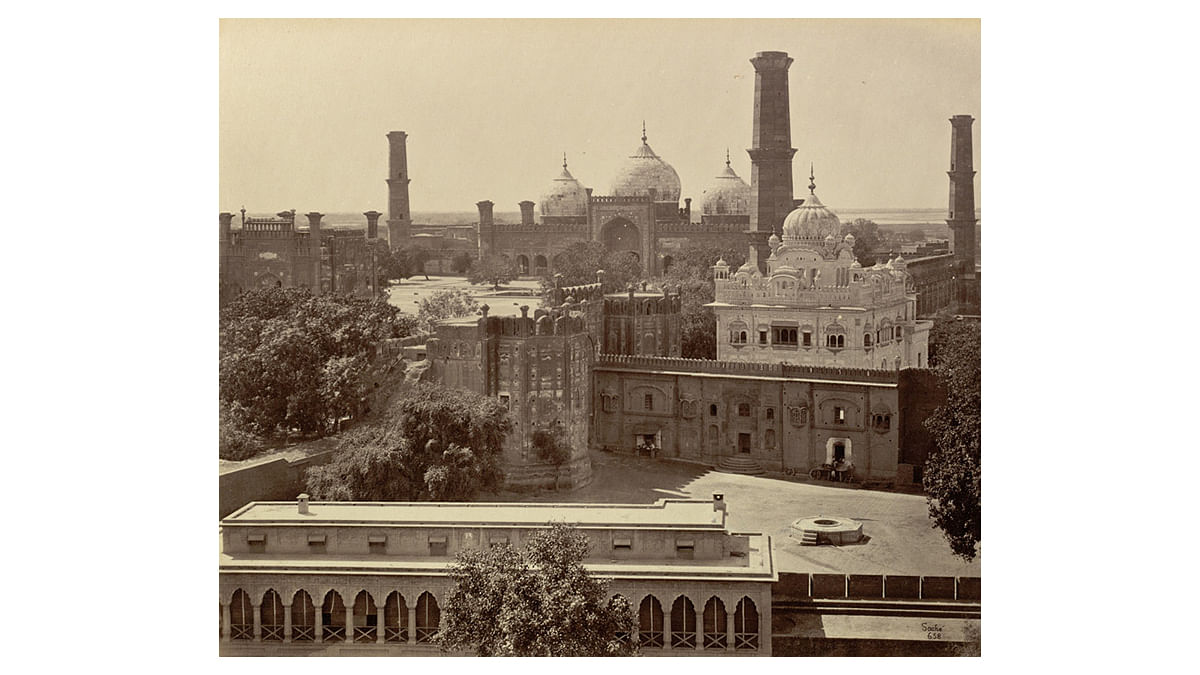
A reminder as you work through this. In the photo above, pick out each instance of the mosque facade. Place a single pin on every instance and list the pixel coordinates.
(811, 345)
(641, 214)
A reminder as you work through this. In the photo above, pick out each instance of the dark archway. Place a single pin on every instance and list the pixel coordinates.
(621, 235)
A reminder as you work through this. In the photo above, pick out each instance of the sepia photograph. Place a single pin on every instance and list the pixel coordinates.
(599, 337)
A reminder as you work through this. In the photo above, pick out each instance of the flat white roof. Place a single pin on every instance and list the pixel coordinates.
(673, 513)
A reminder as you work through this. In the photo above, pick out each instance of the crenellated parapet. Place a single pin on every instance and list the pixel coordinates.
(748, 369)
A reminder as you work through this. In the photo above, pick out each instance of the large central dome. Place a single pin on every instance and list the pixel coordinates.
(645, 171)
(728, 194)
(812, 220)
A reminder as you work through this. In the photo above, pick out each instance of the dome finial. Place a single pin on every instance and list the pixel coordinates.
(812, 185)
(564, 161)
(726, 156)
(643, 131)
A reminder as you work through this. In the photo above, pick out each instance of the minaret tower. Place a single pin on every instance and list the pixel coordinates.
(399, 216)
(771, 156)
(962, 220)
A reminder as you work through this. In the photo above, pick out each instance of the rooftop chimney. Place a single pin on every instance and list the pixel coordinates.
(302, 504)
(718, 501)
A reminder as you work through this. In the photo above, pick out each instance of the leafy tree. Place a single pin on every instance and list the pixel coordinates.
(866, 240)
(432, 444)
(444, 304)
(691, 271)
(401, 263)
(579, 262)
(237, 438)
(461, 262)
(551, 446)
(493, 270)
(952, 471)
(537, 601)
(294, 361)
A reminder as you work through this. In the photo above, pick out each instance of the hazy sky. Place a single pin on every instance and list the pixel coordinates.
(491, 105)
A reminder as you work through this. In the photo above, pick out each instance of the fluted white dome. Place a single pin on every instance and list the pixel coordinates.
(644, 171)
(812, 220)
(727, 195)
(565, 196)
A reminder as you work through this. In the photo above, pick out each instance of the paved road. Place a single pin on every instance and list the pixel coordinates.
(900, 539)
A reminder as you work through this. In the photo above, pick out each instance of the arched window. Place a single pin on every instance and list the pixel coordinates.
(866, 339)
(841, 341)
(650, 622)
(745, 625)
(683, 624)
(333, 618)
(271, 617)
(366, 618)
(770, 413)
(715, 624)
(539, 263)
(743, 410)
(395, 618)
(899, 332)
(428, 617)
(241, 616)
(648, 344)
(304, 618)
(712, 410)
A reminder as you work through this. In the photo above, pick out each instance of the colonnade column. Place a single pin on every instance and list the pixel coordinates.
(318, 625)
(729, 639)
(287, 623)
(412, 625)
(667, 630)
(380, 626)
(700, 630)
(350, 624)
(257, 622)
(226, 623)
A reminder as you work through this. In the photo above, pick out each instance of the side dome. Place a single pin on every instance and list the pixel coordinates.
(812, 220)
(565, 196)
(727, 195)
(644, 171)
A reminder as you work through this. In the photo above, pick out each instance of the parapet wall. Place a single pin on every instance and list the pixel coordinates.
(801, 587)
(732, 368)
(275, 480)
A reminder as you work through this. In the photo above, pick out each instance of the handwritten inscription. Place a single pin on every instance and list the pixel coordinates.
(933, 631)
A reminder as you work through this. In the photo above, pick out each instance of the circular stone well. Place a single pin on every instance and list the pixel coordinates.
(826, 530)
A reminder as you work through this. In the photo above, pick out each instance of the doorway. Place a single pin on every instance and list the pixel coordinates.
(744, 444)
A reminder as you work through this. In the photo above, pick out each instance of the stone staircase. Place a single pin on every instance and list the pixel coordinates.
(740, 464)
(809, 538)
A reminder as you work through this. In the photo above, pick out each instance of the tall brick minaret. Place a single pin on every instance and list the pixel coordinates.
(962, 220)
(771, 156)
(399, 216)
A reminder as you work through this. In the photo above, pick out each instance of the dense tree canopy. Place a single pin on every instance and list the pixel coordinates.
(866, 240)
(536, 601)
(432, 444)
(691, 271)
(291, 361)
(400, 263)
(492, 270)
(444, 304)
(579, 262)
(952, 472)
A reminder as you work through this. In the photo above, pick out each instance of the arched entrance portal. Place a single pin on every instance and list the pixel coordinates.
(622, 235)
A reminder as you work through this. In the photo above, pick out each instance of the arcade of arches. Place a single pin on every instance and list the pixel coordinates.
(304, 617)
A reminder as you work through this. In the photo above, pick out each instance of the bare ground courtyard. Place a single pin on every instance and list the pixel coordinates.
(899, 538)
